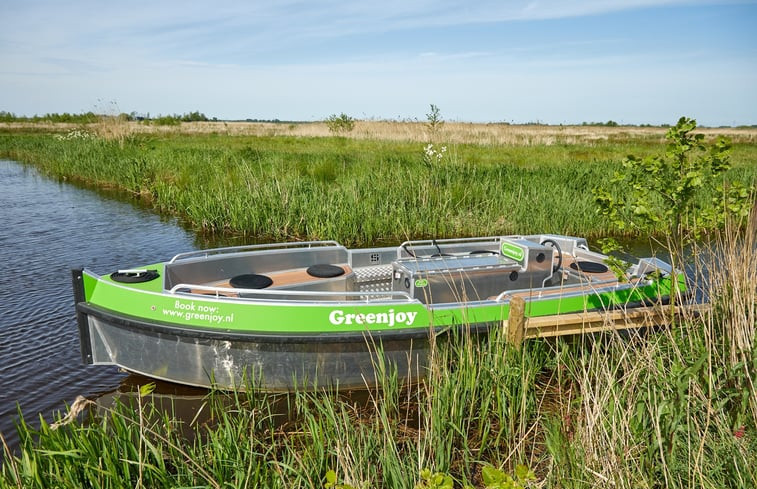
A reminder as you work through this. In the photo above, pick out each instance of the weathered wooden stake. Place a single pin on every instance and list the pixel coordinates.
(516, 322)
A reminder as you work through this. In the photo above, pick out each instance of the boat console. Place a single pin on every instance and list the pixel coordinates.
(471, 271)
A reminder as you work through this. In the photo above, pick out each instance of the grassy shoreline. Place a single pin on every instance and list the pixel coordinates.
(672, 408)
(359, 191)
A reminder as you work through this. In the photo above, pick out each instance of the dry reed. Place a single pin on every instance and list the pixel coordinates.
(115, 127)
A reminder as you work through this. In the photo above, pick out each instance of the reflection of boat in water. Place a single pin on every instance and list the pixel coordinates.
(317, 313)
(186, 403)
(194, 409)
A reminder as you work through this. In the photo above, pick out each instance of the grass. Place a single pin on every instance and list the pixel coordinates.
(672, 408)
(676, 408)
(359, 191)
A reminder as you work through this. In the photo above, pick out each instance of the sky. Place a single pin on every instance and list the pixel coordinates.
(517, 61)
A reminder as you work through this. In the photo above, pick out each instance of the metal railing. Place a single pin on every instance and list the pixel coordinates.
(237, 249)
(273, 293)
(424, 243)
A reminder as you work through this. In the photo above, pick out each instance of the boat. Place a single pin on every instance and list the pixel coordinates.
(285, 316)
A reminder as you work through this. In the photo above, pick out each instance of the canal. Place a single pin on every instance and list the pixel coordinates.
(46, 229)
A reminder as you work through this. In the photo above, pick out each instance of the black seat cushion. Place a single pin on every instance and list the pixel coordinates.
(325, 271)
(250, 281)
(134, 276)
(589, 266)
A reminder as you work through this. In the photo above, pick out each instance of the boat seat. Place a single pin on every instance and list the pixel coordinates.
(289, 278)
(587, 270)
(589, 267)
(322, 270)
(301, 276)
(250, 281)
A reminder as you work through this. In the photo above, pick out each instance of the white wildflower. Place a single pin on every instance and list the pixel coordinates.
(433, 156)
(75, 134)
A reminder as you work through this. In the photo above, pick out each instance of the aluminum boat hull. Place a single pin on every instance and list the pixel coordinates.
(186, 324)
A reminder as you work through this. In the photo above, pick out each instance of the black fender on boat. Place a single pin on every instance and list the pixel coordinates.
(77, 278)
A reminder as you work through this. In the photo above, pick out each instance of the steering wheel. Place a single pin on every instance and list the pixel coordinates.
(559, 253)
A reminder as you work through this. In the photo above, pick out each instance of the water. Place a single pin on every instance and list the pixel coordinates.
(46, 229)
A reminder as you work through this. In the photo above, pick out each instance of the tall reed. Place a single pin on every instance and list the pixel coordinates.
(355, 191)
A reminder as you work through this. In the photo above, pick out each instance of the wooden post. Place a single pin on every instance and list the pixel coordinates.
(516, 322)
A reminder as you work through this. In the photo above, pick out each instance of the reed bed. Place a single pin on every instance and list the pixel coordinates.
(358, 191)
(394, 130)
(674, 408)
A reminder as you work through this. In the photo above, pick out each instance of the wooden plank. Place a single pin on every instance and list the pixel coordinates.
(299, 276)
(597, 321)
(516, 324)
(287, 277)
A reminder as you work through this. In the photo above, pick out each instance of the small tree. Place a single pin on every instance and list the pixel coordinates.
(434, 122)
(662, 192)
(339, 124)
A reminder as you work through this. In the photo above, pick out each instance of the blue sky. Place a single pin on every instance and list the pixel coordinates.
(551, 61)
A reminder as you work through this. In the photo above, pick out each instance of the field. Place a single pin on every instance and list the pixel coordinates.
(408, 131)
(675, 407)
(296, 181)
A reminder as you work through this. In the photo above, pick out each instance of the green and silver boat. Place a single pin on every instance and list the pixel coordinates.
(307, 314)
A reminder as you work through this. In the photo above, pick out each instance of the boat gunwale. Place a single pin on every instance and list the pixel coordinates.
(250, 300)
(255, 247)
(220, 291)
(544, 293)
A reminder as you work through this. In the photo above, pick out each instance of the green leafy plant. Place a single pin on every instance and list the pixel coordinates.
(339, 124)
(167, 120)
(434, 120)
(617, 265)
(195, 116)
(663, 192)
(497, 479)
(330, 482)
(435, 480)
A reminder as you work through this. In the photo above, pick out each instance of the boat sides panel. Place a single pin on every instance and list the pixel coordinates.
(229, 363)
(371, 257)
(256, 316)
(288, 317)
(220, 267)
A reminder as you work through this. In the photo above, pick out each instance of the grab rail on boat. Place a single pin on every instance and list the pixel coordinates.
(236, 249)
(222, 291)
(435, 242)
(502, 296)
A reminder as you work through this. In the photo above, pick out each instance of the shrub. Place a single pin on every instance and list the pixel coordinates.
(341, 123)
(166, 120)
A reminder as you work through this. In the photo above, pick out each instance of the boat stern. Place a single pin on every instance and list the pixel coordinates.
(77, 279)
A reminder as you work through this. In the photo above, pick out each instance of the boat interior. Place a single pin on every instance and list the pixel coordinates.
(431, 271)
